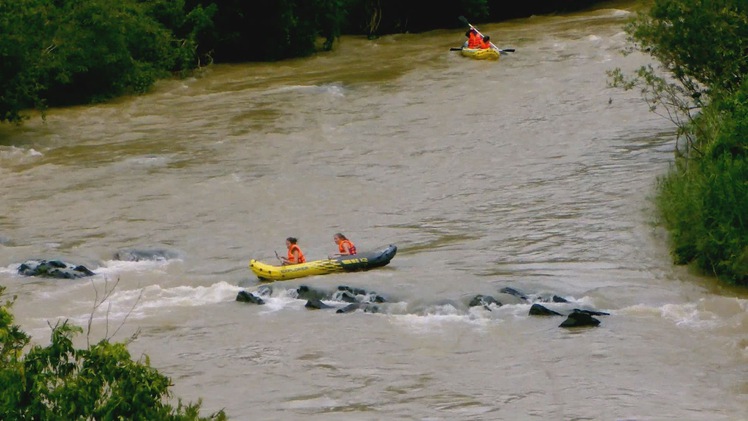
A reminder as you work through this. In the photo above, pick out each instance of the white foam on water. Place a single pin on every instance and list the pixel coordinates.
(138, 303)
(317, 403)
(112, 268)
(19, 155)
(435, 322)
(148, 161)
(683, 314)
(332, 89)
(10, 269)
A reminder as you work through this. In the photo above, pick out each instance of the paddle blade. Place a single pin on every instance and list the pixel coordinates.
(463, 20)
(455, 49)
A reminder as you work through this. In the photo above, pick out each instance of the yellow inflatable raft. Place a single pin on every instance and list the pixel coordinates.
(357, 262)
(481, 54)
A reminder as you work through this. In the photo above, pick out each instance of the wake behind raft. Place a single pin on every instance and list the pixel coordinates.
(355, 263)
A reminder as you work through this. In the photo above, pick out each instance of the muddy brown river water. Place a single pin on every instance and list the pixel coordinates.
(528, 173)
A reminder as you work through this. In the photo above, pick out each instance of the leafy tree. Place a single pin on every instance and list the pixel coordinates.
(22, 48)
(103, 48)
(60, 52)
(60, 381)
(702, 46)
(501, 9)
(377, 17)
(271, 30)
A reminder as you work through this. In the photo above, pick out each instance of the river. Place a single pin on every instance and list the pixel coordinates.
(527, 173)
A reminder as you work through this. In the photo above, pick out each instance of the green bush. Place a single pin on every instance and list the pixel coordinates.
(701, 43)
(703, 201)
(104, 48)
(59, 381)
(79, 51)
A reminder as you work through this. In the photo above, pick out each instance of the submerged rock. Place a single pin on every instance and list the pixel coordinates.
(345, 299)
(346, 296)
(371, 308)
(579, 319)
(592, 312)
(265, 291)
(53, 269)
(316, 304)
(354, 291)
(485, 301)
(137, 255)
(303, 292)
(514, 292)
(539, 310)
(349, 308)
(246, 297)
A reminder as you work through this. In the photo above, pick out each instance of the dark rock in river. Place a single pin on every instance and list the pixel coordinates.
(592, 312)
(539, 310)
(316, 304)
(246, 297)
(485, 301)
(372, 309)
(579, 319)
(53, 269)
(303, 292)
(265, 291)
(349, 308)
(354, 291)
(345, 296)
(514, 292)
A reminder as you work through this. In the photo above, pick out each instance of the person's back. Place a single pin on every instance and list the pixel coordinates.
(474, 40)
(295, 255)
(485, 43)
(345, 246)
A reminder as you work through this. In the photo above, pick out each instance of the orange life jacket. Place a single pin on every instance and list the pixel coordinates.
(291, 258)
(351, 247)
(484, 45)
(474, 40)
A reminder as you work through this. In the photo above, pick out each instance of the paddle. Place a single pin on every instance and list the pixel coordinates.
(508, 50)
(465, 21)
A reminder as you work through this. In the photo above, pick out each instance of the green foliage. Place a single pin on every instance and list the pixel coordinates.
(22, 48)
(703, 201)
(105, 48)
(12, 338)
(377, 17)
(64, 52)
(61, 382)
(273, 30)
(701, 43)
(78, 51)
(705, 211)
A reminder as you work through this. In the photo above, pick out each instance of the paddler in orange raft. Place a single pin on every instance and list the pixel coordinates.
(345, 246)
(295, 255)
